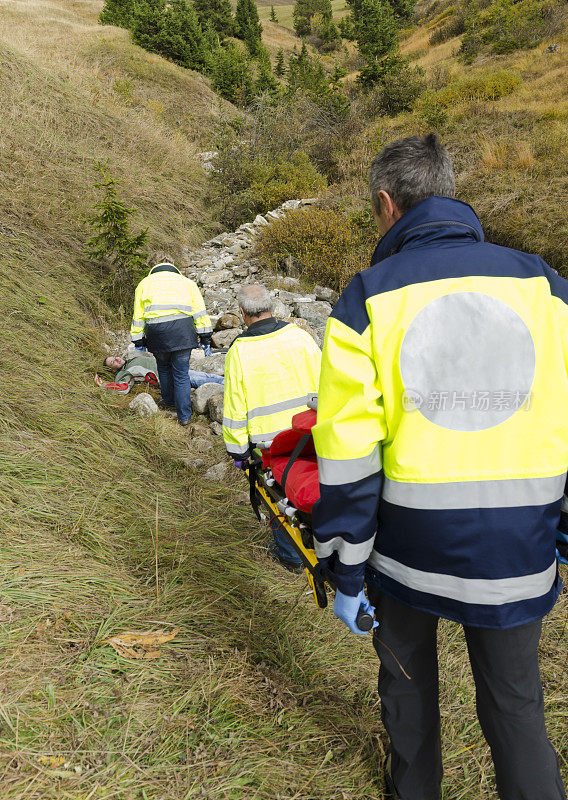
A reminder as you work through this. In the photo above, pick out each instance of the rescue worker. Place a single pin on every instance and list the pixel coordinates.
(442, 442)
(270, 372)
(170, 319)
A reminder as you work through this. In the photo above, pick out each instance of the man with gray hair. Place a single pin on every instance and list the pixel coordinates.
(442, 445)
(270, 372)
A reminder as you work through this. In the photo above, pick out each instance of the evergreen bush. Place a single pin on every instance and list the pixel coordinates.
(113, 248)
(232, 75)
(247, 25)
(216, 14)
(118, 12)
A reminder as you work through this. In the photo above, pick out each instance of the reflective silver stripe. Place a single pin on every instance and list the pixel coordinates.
(475, 494)
(168, 307)
(208, 329)
(166, 318)
(235, 424)
(334, 472)
(137, 337)
(348, 553)
(265, 437)
(137, 322)
(283, 405)
(237, 449)
(200, 314)
(481, 591)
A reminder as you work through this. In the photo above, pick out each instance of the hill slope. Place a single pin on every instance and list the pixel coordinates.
(259, 695)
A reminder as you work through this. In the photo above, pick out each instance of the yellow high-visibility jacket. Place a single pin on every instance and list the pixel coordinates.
(271, 370)
(169, 312)
(442, 432)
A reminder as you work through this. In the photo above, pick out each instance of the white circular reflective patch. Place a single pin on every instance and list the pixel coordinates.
(467, 362)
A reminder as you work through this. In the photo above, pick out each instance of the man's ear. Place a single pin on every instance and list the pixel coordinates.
(388, 207)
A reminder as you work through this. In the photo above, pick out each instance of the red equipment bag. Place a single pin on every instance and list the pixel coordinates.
(300, 478)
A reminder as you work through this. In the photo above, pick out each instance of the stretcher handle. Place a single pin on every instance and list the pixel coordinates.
(364, 620)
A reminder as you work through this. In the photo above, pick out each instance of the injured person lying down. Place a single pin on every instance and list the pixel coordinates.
(143, 369)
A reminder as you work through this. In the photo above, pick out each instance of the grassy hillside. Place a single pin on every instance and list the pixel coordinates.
(259, 695)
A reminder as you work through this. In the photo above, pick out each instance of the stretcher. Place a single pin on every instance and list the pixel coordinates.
(284, 483)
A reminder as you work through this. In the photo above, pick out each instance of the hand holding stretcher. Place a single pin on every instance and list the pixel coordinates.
(284, 482)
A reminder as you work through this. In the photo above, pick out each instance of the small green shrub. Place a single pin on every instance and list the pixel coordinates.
(232, 75)
(431, 111)
(400, 90)
(118, 12)
(324, 242)
(489, 85)
(453, 27)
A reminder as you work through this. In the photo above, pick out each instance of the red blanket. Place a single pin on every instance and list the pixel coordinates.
(302, 483)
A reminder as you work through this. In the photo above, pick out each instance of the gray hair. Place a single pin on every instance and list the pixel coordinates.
(159, 257)
(254, 299)
(412, 169)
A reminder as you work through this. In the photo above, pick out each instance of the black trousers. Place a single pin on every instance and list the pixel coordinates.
(509, 702)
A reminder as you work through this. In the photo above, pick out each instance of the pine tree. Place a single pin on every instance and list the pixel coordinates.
(376, 31)
(279, 68)
(247, 25)
(347, 27)
(305, 10)
(217, 14)
(148, 25)
(265, 80)
(232, 76)
(305, 72)
(112, 246)
(118, 12)
(273, 17)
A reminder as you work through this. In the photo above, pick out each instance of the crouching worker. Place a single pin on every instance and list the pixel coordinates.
(170, 320)
(144, 369)
(270, 371)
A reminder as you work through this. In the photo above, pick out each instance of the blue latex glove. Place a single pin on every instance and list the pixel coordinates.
(346, 608)
(241, 464)
(140, 349)
(207, 349)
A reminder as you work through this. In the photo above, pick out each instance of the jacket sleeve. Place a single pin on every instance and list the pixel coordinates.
(348, 435)
(200, 315)
(235, 421)
(138, 321)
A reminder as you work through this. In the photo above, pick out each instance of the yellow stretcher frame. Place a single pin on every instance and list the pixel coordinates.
(318, 584)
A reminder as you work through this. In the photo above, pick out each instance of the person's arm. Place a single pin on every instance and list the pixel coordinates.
(200, 315)
(350, 428)
(138, 321)
(235, 421)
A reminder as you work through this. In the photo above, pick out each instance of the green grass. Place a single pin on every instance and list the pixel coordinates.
(284, 11)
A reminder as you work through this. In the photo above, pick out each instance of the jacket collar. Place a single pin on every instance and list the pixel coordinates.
(263, 326)
(432, 221)
(165, 267)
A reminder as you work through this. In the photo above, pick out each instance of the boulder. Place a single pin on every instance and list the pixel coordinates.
(226, 338)
(217, 428)
(202, 395)
(315, 313)
(201, 445)
(228, 321)
(143, 405)
(289, 284)
(327, 294)
(215, 408)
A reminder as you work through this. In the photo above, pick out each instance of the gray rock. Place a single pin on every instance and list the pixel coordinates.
(143, 405)
(216, 277)
(327, 294)
(260, 220)
(280, 310)
(214, 364)
(202, 395)
(226, 338)
(217, 428)
(220, 473)
(315, 313)
(201, 445)
(228, 321)
(194, 463)
(290, 284)
(215, 408)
